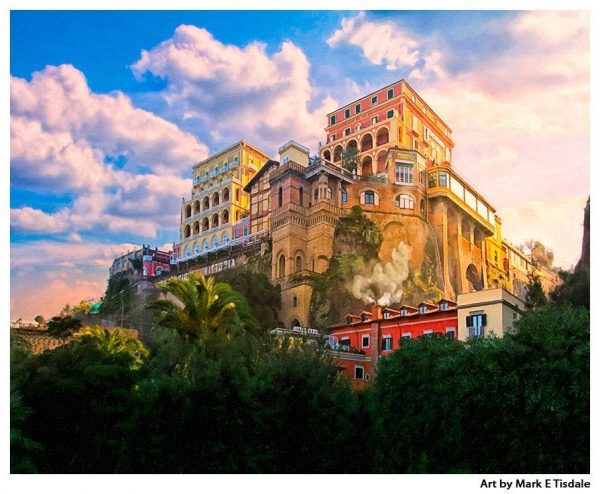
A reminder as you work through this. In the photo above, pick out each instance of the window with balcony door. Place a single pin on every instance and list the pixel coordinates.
(475, 324)
(347, 131)
(374, 100)
(357, 109)
(332, 120)
(387, 342)
(404, 174)
(390, 93)
(347, 113)
(344, 195)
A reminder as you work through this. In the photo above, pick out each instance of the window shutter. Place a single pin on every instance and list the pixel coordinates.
(484, 319)
(469, 321)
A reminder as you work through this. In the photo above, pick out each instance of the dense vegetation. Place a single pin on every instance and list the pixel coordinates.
(208, 395)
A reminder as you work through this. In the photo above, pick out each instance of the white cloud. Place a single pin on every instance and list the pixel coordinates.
(65, 139)
(389, 44)
(238, 92)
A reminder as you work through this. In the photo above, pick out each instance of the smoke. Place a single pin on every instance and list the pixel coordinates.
(384, 285)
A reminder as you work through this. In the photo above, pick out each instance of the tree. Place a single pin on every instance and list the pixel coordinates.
(574, 289)
(114, 342)
(314, 160)
(350, 159)
(204, 307)
(264, 298)
(40, 320)
(22, 448)
(535, 296)
(63, 327)
(540, 255)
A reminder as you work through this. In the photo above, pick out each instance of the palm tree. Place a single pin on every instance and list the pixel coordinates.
(204, 306)
(113, 341)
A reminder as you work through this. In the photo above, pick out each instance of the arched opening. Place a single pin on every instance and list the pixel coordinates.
(215, 242)
(225, 216)
(295, 323)
(225, 195)
(205, 204)
(366, 167)
(381, 161)
(237, 195)
(196, 248)
(205, 224)
(465, 229)
(344, 195)
(366, 142)
(369, 197)
(281, 266)
(196, 227)
(474, 278)
(298, 263)
(352, 147)
(383, 136)
(327, 155)
(188, 251)
(215, 221)
(225, 238)
(205, 245)
(337, 153)
(280, 197)
(215, 199)
(316, 194)
(329, 193)
(188, 211)
(187, 231)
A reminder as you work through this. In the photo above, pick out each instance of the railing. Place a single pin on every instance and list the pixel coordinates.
(475, 332)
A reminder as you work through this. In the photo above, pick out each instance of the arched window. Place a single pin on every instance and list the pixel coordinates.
(205, 225)
(404, 201)
(196, 227)
(337, 153)
(225, 195)
(298, 263)
(344, 195)
(205, 204)
(188, 211)
(316, 194)
(196, 248)
(215, 199)
(369, 196)
(205, 245)
(281, 266)
(196, 207)
(188, 251)
(329, 193)
(215, 220)
(295, 323)
(237, 195)
(188, 231)
(327, 155)
(225, 238)
(280, 197)
(215, 242)
(225, 216)
(301, 195)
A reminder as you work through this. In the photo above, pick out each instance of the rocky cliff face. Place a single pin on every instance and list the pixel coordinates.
(584, 260)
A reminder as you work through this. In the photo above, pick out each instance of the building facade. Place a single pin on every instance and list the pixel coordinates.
(218, 202)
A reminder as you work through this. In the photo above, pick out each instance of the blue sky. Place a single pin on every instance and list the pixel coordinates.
(123, 103)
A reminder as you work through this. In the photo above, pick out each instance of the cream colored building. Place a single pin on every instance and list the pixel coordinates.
(486, 312)
(218, 200)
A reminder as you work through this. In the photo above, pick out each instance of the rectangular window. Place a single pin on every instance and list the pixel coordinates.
(347, 132)
(415, 144)
(333, 137)
(387, 342)
(443, 179)
(374, 100)
(357, 108)
(451, 333)
(345, 344)
(369, 197)
(359, 372)
(390, 113)
(428, 333)
(444, 306)
(422, 177)
(365, 341)
(332, 120)
(475, 324)
(390, 93)
(347, 113)
(404, 173)
(405, 336)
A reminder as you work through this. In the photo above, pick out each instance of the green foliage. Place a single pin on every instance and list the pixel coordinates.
(518, 404)
(114, 342)
(356, 233)
(39, 319)
(540, 254)
(78, 395)
(422, 285)
(205, 307)
(63, 327)
(21, 447)
(535, 296)
(261, 263)
(575, 288)
(119, 296)
(350, 159)
(264, 298)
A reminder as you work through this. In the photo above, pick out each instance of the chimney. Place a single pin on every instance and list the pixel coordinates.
(376, 316)
(376, 312)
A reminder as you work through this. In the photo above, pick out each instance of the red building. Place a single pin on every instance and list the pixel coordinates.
(361, 339)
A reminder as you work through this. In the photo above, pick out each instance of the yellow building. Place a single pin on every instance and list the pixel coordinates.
(218, 202)
(498, 272)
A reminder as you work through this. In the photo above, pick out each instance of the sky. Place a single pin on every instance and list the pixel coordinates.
(110, 110)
